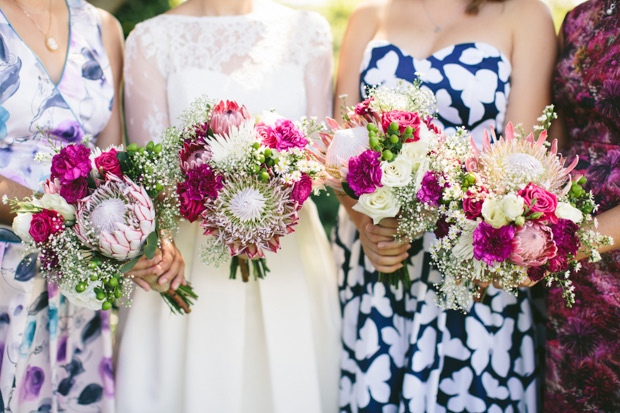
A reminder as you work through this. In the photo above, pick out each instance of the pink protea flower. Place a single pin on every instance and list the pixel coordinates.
(194, 154)
(116, 219)
(533, 245)
(226, 115)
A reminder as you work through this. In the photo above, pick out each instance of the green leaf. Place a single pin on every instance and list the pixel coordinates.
(129, 265)
(151, 245)
(347, 190)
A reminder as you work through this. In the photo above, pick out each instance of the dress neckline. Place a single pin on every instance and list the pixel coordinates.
(257, 11)
(36, 56)
(375, 43)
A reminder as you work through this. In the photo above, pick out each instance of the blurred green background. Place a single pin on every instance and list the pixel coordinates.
(131, 12)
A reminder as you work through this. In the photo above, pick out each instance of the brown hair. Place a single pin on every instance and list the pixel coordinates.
(475, 5)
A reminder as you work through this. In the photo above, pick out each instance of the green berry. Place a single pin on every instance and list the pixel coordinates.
(256, 145)
(117, 293)
(159, 187)
(255, 169)
(394, 139)
(261, 159)
(264, 176)
(520, 221)
(373, 142)
(101, 296)
(387, 155)
(132, 147)
(159, 148)
(141, 149)
(371, 127)
(393, 126)
(113, 282)
(582, 180)
(94, 277)
(106, 305)
(471, 179)
(80, 288)
(92, 265)
(575, 188)
(409, 130)
(150, 146)
(268, 152)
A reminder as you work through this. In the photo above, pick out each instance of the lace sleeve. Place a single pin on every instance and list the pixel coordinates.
(146, 101)
(319, 67)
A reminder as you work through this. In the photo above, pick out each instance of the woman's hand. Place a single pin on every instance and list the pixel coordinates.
(167, 264)
(385, 254)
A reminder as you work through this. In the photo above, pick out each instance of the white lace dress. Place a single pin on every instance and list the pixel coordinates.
(267, 346)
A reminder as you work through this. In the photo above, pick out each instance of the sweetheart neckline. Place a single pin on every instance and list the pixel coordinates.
(443, 49)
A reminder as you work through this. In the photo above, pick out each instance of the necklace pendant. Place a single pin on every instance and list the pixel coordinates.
(51, 44)
(437, 29)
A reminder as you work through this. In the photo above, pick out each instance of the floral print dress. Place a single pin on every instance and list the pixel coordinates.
(583, 346)
(53, 355)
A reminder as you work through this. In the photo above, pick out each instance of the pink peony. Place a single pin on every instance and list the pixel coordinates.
(302, 189)
(287, 135)
(365, 173)
(108, 163)
(403, 119)
(74, 191)
(73, 162)
(44, 224)
(226, 115)
(540, 200)
(266, 135)
(533, 245)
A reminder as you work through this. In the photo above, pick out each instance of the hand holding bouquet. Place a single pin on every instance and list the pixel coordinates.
(515, 215)
(387, 157)
(245, 178)
(99, 213)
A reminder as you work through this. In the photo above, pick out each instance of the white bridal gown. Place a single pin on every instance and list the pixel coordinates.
(266, 346)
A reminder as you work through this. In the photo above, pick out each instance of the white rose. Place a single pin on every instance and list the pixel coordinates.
(493, 213)
(21, 226)
(512, 206)
(426, 134)
(567, 211)
(86, 299)
(415, 152)
(396, 173)
(57, 203)
(269, 117)
(378, 205)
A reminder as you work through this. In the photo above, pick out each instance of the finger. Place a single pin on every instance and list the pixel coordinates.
(390, 245)
(143, 284)
(171, 273)
(381, 261)
(380, 230)
(370, 246)
(179, 278)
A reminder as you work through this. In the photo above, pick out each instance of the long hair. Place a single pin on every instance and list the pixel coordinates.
(475, 5)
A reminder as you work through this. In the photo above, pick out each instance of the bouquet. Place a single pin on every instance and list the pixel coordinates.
(244, 178)
(515, 213)
(100, 211)
(387, 156)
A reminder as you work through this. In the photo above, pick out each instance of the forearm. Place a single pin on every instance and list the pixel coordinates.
(609, 225)
(12, 190)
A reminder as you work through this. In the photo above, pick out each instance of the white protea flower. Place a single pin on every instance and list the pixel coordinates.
(230, 151)
(116, 219)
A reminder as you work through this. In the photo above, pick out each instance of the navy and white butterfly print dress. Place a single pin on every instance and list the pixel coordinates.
(401, 353)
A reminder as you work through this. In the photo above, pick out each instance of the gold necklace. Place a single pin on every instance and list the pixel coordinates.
(50, 42)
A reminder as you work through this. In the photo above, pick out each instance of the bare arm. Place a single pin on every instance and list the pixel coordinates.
(112, 37)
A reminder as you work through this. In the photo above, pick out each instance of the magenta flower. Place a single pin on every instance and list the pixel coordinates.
(472, 206)
(73, 162)
(533, 245)
(45, 224)
(431, 191)
(287, 135)
(74, 191)
(302, 189)
(540, 200)
(443, 228)
(365, 173)
(189, 208)
(536, 273)
(226, 115)
(565, 236)
(108, 163)
(493, 245)
(201, 184)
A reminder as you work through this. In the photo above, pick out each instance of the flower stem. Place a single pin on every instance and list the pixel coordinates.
(398, 276)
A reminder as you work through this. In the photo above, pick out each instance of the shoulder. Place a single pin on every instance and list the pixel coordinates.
(110, 26)
(528, 13)
(150, 32)
(368, 12)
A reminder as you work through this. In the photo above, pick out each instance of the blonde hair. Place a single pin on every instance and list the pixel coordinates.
(475, 5)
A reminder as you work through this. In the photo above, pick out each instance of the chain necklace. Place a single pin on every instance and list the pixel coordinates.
(430, 19)
(610, 10)
(50, 42)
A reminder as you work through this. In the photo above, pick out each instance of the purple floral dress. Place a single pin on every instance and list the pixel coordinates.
(53, 356)
(583, 342)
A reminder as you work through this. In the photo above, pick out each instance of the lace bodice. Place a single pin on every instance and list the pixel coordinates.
(273, 58)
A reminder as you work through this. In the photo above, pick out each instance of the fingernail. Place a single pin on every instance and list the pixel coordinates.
(163, 280)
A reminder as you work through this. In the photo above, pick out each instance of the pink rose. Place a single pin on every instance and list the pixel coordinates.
(288, 136)
(108, 163)
(74, 190)
(44, 224)
(533, 245)
(226, 115)
(403, 119)
(472, 205)
(559, 263)
(302, 189)
(266, 135)
(540, 200)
